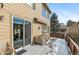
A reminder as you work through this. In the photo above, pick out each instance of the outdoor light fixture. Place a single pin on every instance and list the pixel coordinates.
(1, 17)
(1, 5)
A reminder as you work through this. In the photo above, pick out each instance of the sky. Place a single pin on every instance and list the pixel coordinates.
(65, 11)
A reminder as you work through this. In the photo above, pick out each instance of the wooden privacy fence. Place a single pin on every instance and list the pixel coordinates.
(57, 34)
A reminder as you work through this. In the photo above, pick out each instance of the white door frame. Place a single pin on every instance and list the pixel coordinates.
(23, 34)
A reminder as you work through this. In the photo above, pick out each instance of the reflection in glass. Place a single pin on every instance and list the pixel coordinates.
(18, 33)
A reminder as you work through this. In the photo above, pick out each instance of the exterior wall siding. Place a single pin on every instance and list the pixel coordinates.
(23, 11)
(5, 24)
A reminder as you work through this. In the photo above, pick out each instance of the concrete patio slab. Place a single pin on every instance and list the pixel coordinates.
(36, 50)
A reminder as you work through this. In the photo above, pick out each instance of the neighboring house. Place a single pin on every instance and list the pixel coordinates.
(74, 28)
(20, 22)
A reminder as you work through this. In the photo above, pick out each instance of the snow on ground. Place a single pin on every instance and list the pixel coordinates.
(59, 47)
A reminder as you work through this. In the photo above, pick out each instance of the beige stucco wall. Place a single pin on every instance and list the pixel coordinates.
(21, 10)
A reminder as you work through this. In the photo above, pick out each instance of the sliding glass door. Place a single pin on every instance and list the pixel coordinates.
(21, 32)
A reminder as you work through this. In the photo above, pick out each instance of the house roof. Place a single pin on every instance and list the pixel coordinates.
(46, 6)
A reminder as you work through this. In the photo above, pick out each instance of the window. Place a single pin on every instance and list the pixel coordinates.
(32, 5)
(45, 13)
(38, 27)
(48, 30)
(44, 29)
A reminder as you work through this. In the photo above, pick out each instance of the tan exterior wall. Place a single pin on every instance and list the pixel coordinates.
(5, 26)
(21, 10)
(36, 31)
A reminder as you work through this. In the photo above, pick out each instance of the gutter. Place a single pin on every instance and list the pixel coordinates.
(45, 5)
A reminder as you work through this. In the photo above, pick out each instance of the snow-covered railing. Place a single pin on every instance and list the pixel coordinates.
(74, 48)
(72, 45)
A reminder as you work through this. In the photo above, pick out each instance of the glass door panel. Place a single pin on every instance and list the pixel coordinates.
(27, 32)
(17, 32)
